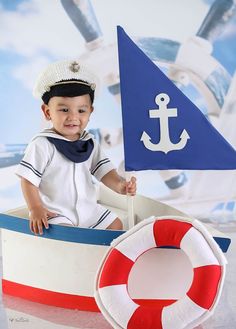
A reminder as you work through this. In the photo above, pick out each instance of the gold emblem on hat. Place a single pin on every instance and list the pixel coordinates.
(74, 67)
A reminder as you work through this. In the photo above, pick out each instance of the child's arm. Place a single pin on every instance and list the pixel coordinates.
(118, 183)
(37, 213)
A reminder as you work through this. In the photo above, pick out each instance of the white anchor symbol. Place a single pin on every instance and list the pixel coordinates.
(165, 145)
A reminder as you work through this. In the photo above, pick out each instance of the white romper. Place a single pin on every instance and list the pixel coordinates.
(67, 188)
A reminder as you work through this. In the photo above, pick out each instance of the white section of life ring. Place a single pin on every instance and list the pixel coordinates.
(193, 308)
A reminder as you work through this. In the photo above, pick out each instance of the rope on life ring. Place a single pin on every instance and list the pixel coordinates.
(199, 302)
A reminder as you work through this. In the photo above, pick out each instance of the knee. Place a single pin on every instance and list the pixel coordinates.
(116, 225)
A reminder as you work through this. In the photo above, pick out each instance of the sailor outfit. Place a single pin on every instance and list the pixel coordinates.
(66, 186)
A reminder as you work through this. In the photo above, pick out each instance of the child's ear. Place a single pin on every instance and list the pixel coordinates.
(46, 111)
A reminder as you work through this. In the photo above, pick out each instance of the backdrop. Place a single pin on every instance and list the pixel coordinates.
(193, 42)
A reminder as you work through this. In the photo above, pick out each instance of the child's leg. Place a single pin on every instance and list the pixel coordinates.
(116, 225)
(60, 220)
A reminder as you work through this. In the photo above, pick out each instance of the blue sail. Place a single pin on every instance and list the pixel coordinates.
(162, 128)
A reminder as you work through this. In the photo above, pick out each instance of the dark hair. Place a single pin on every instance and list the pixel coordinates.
(66, 89)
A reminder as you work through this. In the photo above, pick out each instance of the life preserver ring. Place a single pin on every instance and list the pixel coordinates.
(193, 308)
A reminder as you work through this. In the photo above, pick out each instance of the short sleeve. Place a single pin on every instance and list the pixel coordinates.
(101, 164)
(35, 160)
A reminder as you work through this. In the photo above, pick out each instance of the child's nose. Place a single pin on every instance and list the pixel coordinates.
(73, 116)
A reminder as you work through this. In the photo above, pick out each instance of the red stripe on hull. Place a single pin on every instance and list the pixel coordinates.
(83, 303)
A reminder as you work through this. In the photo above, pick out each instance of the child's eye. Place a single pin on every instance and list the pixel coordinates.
(82, 111)
(63, 110)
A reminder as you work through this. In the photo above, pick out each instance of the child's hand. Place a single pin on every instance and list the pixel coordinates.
(39, 218)
(129, 187)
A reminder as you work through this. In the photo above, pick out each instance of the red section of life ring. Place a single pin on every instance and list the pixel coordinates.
(208, 265)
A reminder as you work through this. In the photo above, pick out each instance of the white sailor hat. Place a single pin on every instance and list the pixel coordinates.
(65, 78)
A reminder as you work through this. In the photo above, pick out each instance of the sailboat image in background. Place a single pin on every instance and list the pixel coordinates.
(67, 266)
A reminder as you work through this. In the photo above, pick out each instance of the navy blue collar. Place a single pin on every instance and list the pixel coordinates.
(77, 151)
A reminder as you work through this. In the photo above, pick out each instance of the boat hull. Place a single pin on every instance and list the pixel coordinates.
(59, 268)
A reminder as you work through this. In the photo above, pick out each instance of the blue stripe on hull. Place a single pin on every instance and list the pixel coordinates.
(77, 234)
(63, 233)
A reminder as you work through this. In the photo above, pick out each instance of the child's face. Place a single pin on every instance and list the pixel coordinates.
(69, 115)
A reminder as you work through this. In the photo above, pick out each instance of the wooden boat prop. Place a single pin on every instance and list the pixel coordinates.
(59, 268)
